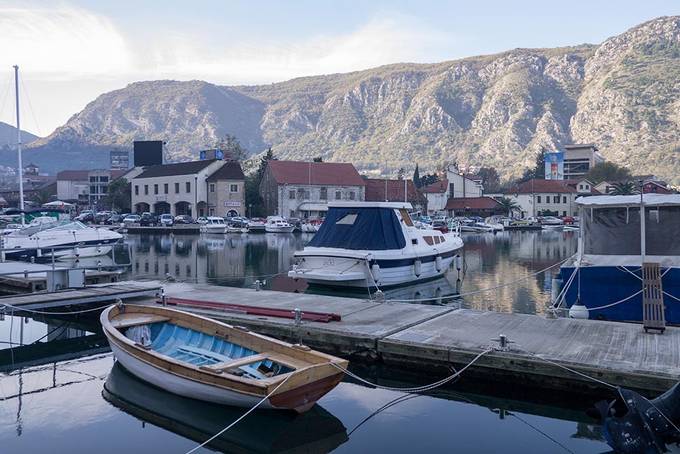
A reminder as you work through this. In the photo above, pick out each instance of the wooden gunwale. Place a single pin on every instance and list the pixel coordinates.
(309, 365)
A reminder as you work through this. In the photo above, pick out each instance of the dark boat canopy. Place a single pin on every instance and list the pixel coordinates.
(360, 228)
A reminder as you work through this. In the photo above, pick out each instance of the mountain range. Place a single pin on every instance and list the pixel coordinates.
(495, 110)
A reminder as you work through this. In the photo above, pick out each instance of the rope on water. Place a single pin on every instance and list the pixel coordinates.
(264, 399)
(415, 389)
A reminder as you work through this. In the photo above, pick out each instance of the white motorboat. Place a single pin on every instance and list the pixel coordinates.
(256, 225)
(367, 244)
(214, 224)
(495, 222)
(236, 228)
(64, 238)
(276, 224)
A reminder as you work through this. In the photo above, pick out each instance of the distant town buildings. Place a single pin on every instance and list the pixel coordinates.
(303, 189)
(555, 197)
(572, 163)
(474, 206)
(86, 188)
(185, 188)
(455, 185)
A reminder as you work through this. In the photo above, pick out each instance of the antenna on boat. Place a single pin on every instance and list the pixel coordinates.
(21, 166)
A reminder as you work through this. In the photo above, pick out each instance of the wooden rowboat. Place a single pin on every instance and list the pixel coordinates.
(204, 359)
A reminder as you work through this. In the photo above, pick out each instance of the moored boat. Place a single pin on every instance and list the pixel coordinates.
(214, 224)
(368, 244)
(276, 224)
(204, 359)
(604, 280)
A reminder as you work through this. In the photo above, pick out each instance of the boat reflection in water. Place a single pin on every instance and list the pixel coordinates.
(262, 431)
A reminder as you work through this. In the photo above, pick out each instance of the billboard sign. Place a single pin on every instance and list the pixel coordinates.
(554, 165)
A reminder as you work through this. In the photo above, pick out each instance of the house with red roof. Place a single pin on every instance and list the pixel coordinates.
(456, 185)
(474, 206)
(299, 189)
(538, 197)
(385, 190)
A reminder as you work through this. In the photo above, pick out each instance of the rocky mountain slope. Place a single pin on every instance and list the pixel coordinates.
(8, 136)
(498, 110)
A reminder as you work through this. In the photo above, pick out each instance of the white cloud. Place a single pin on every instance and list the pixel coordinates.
(61, 42)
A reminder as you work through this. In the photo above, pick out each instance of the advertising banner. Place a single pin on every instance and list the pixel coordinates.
(554, 166)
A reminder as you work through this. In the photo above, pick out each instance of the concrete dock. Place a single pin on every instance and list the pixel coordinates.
(24, 277)
(433, 338)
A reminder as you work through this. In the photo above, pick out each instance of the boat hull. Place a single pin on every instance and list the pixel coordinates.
(279, 229)
(354, 272)
(73, 250)
(602, 285)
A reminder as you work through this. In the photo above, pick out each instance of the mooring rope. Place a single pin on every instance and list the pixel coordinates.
(415, 389)
(606, 305)
(264, 399)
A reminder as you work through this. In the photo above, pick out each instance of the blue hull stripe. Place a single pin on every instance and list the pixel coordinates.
(386, 263)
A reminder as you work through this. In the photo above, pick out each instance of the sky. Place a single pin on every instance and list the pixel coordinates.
(69, 52)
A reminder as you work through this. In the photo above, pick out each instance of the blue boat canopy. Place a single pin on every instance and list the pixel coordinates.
(360, 228)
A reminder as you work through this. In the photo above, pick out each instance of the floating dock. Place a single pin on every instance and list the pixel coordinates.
(25, 277)
(431, 338)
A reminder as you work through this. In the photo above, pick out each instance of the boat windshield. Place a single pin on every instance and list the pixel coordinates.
(369, 228)
(59, 225)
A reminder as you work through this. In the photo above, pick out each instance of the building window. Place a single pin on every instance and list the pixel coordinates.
(556, 199)
(564, 213)
(211, 187)
(538, 199)
(233, 188)
(211, 212)
(580, 186)
(165, 188)
(291, 195)
(93, 179)
(564, 200)
(351, 195)
(323, 193)
(103, 189)
(146, 189)
(104, 179)
(93, 189)
(292, 213)
(155, 189)
(176, 188)
(188, 184)
(136, 189)
(338, 195)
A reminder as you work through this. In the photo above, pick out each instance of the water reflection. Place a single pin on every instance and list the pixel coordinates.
(264, 431)
(240, 260)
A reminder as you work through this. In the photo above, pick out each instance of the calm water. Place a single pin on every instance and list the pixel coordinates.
(87, 405)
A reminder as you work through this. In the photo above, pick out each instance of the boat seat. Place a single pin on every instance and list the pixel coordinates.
(209, 354)
(127, 320)
(240, 363)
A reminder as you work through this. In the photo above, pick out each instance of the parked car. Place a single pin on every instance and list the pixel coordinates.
(166, 220)
(131, 219)
(148, 220)
(115, 218)
(86, 216)
(184, 219)
(101, 217)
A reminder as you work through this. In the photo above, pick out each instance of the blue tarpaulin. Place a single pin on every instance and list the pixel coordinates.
(360, 229)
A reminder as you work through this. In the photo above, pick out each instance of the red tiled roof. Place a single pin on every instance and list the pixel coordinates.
(473, 203)
(330, 173)
(436, 188)
(375, 191)
(552, 186)
(73, 175)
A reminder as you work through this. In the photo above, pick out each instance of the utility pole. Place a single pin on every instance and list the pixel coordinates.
(21, 165)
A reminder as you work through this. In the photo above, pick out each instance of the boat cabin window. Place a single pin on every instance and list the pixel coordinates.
(442, 239)
(661, 229)
(405, 217)
(347, 219)
(436, 240)
(428, 240)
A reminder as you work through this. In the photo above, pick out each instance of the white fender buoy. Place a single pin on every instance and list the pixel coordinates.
(459, 262)
(578, 310)
(438, 263)
(417, 268)
(375, 272)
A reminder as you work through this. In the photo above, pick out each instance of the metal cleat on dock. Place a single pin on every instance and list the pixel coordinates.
(503, 343)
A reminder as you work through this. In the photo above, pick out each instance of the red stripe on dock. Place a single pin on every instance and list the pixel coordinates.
(323, 317)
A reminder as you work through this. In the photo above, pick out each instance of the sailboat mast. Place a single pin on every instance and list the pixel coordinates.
(21, 165)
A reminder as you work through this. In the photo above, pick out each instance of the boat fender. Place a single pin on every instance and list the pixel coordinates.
(375, 272)
(417, 268)
(438, 263)
(459, 262)
(578, 310)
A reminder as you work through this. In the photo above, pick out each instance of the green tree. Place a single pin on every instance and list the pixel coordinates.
(231, 147)
(537, 171)
(400, 173)
(490, 179)
(119, 195)
(416, 177)
(508, 205)
(624, 188)
(41, 197)
(428, 179)
(254, 201)
(318, 159)
(608, 171)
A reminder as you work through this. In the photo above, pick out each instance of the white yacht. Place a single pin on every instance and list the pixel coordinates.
(214, 224)
(276, 224)
(374, 244)
(68, 238)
